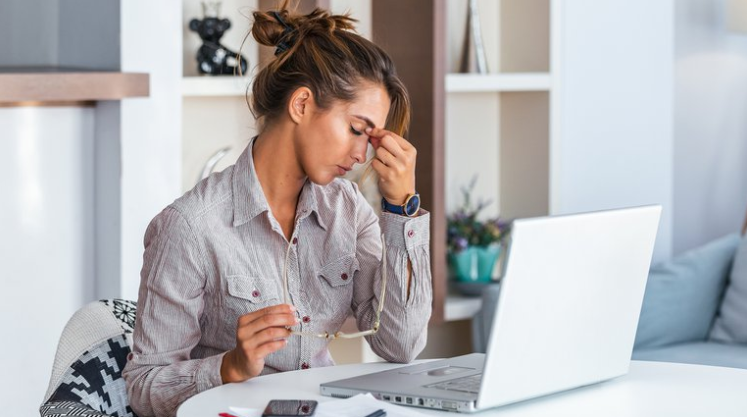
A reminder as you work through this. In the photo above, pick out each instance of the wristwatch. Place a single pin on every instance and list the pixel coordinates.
(409, 209)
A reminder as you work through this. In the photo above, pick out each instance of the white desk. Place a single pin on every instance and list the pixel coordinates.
(653, 389)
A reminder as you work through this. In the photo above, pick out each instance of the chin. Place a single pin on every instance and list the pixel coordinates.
(322, 178)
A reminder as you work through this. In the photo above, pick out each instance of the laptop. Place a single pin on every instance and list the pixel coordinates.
(566, 317)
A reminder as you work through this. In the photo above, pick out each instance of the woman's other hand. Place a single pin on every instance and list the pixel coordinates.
(257, 335)
(395, 164)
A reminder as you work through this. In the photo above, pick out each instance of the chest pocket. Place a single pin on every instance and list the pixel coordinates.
(340, 271)
(255, 290)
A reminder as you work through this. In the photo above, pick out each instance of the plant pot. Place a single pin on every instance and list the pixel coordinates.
(475, 263)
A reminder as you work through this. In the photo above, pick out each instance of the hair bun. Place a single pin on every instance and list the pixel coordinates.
(283, 28)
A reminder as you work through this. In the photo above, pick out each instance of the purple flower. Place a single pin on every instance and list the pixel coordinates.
(461, 243)
(460, 215)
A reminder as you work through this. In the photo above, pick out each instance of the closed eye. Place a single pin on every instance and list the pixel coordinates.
(355, 132)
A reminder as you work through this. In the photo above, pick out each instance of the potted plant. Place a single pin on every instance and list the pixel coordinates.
(473, 244)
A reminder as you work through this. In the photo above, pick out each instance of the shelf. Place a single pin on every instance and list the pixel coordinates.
(461, 308)
(19, 85)
(215, 86)
(476, 83)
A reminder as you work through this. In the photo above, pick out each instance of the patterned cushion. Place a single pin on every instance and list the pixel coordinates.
(68, 408)
(124, 310)
(92, 384)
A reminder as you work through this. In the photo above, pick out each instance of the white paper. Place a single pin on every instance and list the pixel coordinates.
(245, 412)
(360, 405)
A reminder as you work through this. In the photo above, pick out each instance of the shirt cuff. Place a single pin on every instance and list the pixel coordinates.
(406, 232)
(208, 373)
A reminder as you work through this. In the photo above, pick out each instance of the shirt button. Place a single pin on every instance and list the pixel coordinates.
(306, 319)
(410, 233)
(344, 276)
(255, 294)
(295, 240)
(304, 365)
(130, 356)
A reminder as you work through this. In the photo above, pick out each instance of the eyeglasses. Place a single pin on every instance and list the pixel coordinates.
(341, 335)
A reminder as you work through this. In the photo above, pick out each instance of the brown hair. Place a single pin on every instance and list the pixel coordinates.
(322, 52)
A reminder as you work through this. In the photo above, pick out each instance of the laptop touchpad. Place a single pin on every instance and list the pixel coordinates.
(442, 371)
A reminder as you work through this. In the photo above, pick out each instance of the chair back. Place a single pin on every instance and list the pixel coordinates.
(87, 372)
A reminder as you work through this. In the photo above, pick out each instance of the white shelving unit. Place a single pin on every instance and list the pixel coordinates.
(498, 125)
(215, 86)
(496, 83)
(459, 307)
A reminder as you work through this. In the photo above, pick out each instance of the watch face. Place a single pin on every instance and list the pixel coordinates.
(412, 205)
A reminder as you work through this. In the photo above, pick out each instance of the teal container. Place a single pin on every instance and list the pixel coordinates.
(474, 264)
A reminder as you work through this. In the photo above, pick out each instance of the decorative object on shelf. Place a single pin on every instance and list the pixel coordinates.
(472, 289)
(474, 246)
(473, 50)
(212, 57)
(475, 263)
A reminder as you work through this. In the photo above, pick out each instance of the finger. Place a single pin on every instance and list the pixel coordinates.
(376, 132)
(271, 320)
(375, 135)
(271, 347)
(380, 133)
(386, 157)
(260, 352)
(390, 144)
(249, 344)
(276, 309)
(381, 169)
(251, 341)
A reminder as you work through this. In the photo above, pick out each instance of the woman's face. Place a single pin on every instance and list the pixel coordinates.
(331, 141)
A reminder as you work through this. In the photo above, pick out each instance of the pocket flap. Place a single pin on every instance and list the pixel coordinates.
(253, 289)
(340, 271)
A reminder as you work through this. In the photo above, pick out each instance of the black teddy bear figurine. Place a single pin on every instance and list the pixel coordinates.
(212, 57)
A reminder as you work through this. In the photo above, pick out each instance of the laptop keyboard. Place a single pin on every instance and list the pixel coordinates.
(470, 384)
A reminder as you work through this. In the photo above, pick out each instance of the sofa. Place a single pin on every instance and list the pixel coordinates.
(694, 308)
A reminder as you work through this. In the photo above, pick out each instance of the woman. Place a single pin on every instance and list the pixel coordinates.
(248, 272)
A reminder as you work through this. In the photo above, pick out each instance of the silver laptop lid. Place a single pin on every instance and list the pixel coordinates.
(569, 303)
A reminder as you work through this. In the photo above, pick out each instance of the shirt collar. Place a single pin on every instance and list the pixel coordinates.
(249, 200)
(307, 203)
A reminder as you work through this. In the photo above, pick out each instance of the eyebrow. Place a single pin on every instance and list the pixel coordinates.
(367, 120)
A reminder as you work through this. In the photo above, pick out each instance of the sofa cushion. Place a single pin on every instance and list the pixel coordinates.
(731, 323)
(683, 295)
(700, 353)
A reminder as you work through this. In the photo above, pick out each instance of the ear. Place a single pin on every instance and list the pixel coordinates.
(194, 24)
(300, 104)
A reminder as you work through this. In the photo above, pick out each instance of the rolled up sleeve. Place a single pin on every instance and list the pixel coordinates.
(160, 374)
(404, 319)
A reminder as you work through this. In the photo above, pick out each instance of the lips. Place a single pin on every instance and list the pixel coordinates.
(343, 170)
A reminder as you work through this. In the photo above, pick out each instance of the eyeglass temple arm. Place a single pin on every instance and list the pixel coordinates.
(379, 309)
(338, 335)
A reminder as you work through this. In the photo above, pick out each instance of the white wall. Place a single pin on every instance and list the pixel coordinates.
(46, 242)
(710, 159)
(614, 78)
(150, 132)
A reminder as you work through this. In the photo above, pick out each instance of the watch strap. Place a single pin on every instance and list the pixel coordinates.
(401, 209)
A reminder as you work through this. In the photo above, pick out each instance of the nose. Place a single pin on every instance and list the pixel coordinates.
(359, 151)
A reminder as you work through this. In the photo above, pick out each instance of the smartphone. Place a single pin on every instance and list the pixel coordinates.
(284, 408)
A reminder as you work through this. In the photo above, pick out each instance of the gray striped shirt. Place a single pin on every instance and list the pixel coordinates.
(217, 253)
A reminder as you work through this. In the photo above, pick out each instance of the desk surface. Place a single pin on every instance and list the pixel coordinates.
(650, 389)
